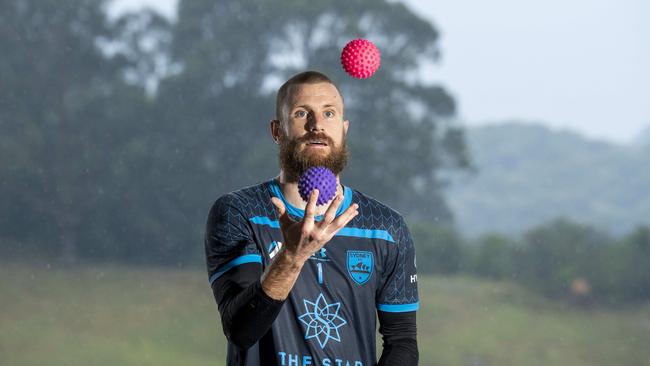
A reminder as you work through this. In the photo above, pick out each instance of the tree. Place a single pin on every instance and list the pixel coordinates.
(439, 248)
(632, 277)
(234, 54)
(121, 134)
(559, 252)
(494, 256)
(66, 114)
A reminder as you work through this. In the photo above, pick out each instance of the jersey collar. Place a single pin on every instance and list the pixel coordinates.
(274, 186)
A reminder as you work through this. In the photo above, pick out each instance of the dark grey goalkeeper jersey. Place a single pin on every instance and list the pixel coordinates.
(329, 318)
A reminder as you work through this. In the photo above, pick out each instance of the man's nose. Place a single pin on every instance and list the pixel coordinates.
(315, 122)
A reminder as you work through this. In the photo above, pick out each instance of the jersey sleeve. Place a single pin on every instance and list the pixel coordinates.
(399, 291)
(234, 269)
(228, 238)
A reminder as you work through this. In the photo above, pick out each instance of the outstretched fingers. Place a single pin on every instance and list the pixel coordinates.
(283, 217)
(343, 219)
(310, 211)
(330, 214)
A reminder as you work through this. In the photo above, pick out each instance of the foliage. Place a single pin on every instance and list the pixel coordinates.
(439, 248)
(117, 136)
(557, 253)
(493, 257)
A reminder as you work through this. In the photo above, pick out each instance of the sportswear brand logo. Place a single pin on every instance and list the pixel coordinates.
(274, 248)
(320, 255)
(360, 264)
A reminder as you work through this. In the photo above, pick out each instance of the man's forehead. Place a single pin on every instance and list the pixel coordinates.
(318, 93)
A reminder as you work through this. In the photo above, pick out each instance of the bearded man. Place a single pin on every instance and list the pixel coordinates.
(298, 284)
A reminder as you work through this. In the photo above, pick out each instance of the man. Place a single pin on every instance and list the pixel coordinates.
(298, 284)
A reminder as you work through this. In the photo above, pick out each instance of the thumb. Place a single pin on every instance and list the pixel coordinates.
(279, 207)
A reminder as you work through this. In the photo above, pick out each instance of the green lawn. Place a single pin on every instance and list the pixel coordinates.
(113, 315)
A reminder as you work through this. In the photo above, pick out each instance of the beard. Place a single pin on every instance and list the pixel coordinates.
(295, 162)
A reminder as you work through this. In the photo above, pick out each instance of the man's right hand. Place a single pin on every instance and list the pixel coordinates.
(306, 237)
(301, 240)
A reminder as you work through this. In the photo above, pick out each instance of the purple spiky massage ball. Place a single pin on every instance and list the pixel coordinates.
(321, 178)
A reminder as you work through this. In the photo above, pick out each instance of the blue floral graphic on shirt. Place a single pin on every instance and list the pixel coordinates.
(322, 320)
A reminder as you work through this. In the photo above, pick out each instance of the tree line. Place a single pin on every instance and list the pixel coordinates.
(561, 259)
(117, 135)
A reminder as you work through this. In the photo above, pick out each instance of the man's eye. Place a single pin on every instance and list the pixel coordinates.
(329, 114)
(301, 114)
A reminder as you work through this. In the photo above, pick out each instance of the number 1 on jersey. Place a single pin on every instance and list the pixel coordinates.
(320, 272)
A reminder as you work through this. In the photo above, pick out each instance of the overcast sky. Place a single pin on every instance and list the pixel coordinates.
(583, 65)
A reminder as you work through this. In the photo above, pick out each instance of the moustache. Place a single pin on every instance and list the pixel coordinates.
(315, 136)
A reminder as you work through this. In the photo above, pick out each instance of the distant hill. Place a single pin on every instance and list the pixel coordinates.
(643, 139)
(528, 174)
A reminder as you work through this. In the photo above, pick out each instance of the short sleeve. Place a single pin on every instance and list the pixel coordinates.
(228, 238)
(399, 290)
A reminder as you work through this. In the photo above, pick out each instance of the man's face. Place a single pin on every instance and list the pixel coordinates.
(313, 130)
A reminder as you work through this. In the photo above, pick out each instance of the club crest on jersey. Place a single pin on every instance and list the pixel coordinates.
(360, 264)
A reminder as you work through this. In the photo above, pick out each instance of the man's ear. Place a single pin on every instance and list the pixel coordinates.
(346, 124)
(275, 128)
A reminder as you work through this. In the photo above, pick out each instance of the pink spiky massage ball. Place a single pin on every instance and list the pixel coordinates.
(360, 58)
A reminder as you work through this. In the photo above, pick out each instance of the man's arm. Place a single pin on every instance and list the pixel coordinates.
(397, 303)
(234, 266)
(246, 311)
(399, 334)
(248, 304)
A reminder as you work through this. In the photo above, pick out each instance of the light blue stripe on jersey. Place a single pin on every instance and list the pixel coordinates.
(248, 258)
(365, 233)
(346, 231)
(399, 308)
(263, 220)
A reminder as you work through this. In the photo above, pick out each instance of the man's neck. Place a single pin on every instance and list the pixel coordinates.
(291, 194)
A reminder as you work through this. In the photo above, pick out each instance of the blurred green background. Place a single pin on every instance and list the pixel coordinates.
(113, 315)
(117, 133)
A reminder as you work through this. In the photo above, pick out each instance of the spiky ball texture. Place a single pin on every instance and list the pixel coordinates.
(360, 58)
(321, 178)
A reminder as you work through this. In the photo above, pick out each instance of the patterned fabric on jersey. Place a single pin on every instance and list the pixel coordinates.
(330, 315)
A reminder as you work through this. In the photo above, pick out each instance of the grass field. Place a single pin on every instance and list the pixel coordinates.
(110, 315)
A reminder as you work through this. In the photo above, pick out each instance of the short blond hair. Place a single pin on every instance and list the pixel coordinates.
(307, 77)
